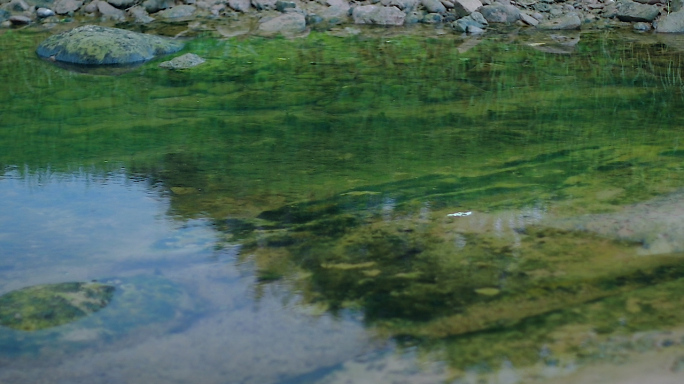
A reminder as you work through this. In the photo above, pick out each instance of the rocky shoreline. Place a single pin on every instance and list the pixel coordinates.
(294, 17)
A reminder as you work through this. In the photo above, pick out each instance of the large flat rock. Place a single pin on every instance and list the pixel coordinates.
(95, 45)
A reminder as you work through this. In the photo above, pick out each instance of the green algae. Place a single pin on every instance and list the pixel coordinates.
(71, 316)
(46, 306)
(336, 162)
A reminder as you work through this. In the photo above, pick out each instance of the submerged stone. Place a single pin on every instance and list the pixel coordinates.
(188, 60)
(45, 306)
(95, 45)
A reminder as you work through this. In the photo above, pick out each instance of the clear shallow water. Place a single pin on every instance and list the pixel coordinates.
(291, 199)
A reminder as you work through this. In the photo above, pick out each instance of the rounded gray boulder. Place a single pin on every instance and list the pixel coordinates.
(95, 45)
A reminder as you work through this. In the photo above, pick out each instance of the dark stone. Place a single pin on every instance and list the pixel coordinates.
(281, 6)
(20, 20)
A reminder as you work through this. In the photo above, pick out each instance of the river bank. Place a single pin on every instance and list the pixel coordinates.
(296, 17)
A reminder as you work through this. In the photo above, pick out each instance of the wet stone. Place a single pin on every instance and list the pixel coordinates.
(94, 45)
(188, 60)
(44, 12)
(45, 306)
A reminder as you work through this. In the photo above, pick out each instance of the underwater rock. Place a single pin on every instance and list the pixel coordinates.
(188, 60)
(657, 224)
(45, 306)
(68, 316)
(95, 45)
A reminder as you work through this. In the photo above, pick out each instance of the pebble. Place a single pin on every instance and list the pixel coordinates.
(44, 12)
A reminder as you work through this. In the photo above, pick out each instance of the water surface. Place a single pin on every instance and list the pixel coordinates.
(374, 208)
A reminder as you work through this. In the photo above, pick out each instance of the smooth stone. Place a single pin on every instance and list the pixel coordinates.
(466, 7)
(95, 45)
(473, 30)
(529, 20)
(477, 16)
(122, 4)
(433, 6)
(20, 20)
(152, 6)
(44, 12)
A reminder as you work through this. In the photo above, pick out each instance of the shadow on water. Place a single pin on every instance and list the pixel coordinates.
(474, 207)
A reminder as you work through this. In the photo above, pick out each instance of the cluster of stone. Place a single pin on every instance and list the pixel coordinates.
(293, 16)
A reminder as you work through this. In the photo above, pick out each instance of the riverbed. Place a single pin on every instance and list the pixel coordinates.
(365, 206)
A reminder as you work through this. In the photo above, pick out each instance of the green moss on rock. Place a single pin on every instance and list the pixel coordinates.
(45, 306)
(95, 45)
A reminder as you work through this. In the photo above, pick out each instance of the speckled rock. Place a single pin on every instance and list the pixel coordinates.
(632, 11)
(177, 12)
(95, 45)
(288, 23)
(188, 60)
(373, 14)
(500, 13)
(569, 21)
(672, 23)
(62, 7)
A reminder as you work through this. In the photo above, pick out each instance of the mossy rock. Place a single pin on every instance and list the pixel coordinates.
(95, 45)
(45, 306)
(72, 316)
